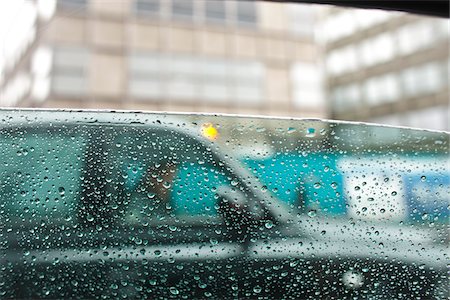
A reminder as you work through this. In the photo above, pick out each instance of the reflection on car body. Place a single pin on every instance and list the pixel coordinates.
(133, 205)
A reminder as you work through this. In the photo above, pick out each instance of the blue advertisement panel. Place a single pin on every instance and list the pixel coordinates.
(428, 197)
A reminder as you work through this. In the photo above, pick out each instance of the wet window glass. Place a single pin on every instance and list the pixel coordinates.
(165, 176)
(41, 176)
(140, 205)
(220, 149)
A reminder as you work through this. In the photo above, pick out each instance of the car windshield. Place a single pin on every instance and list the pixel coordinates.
(206, 149)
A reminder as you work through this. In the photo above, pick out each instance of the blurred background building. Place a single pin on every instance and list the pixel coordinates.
(227, 56)
(169, 55)
(387, 67)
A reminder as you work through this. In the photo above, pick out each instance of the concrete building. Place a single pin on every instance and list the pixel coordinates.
(387, 67)
(168, 55)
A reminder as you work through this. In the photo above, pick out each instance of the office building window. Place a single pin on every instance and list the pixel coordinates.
(184, 78)
(247, 81)
(183, 9)
(346, 97)
(216, 85)
(382, 89)
(423, 79)
(307, 82)
(147, 6)
(415, 36)
(146, 75)
(215, 11)
(72, 4)
(246, 12)
(302, 19)
(339, 25)
(342, 60)
(436, 118)
(156, 76)
(430, 77)
(212, 11)
(378, 49)
(70, 71)
(366, 18)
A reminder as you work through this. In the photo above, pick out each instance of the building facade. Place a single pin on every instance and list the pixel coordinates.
(387, 67)
(168, 55)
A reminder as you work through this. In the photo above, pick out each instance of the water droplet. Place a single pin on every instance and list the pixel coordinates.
(174, 290)
(394, 193)
(257, 289)
(312, 213)
(268, 224)
(317, 185)
(61, 191)
(291, 130)
(310, 132)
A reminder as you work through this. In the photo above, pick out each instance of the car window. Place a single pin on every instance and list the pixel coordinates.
(224, 149)
(164, 175)
(159, 205)
(41, 176)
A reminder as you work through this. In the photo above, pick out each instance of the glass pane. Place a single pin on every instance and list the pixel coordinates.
(215, 10)
(69, 84)
(40, 176)
(246, 12)
(72, 4)
(147, 6)
(93, 203)
(182, 8)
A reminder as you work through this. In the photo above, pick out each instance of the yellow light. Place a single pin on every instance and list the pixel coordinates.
(209, 131)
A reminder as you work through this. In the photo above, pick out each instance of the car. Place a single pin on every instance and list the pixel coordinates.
(145, 205)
